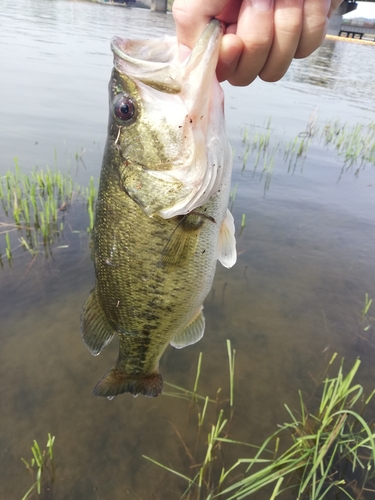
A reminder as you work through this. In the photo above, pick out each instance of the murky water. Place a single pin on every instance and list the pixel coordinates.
(306, 257)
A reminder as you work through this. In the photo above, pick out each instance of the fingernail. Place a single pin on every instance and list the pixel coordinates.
(262, 4)
(231, 48)
(228, 59)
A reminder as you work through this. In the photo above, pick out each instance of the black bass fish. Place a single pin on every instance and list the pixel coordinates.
(161, 219)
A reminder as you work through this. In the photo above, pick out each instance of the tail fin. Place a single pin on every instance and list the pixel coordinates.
(117, 382)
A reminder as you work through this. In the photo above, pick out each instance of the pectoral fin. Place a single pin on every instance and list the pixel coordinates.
(227, 242)
(192, 333)
(183, 241)
(95, 330)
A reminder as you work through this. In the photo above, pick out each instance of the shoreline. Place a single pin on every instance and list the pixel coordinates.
(351, 40)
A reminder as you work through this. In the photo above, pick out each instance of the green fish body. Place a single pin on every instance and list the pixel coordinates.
(161, 219)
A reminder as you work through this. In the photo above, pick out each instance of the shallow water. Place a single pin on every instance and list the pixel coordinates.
(306, 258)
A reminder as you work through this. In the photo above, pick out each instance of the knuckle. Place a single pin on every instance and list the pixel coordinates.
(274, 76)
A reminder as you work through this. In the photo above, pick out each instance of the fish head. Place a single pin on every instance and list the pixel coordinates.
(167, 122)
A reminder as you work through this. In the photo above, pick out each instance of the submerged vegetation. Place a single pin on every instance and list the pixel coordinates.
(355, 144)
(262, 149)
(366, 318)
(325, 450)
(34, 207)
(42, 470)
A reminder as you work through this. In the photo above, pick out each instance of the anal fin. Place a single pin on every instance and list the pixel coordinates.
(95, 329)
(192, 333)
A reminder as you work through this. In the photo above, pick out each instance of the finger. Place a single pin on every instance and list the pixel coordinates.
(255, 29)
(287, 32)
(314, 26)
(333, 7)
(230, 53)
(192, 16)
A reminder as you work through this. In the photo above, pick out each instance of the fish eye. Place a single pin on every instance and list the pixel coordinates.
(124, 108)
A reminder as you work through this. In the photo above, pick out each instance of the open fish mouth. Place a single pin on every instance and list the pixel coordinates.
(159, 66)
(193, 108)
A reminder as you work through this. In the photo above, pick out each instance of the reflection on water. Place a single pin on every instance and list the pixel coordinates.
(343, 69)
(324, 64)
(294, 297)
(57, 59)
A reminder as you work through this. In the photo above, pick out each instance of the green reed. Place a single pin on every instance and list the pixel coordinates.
(8, 249)
(268, 166)
(231, 359)
(323, 448)
(243, 224)
(91, 195)
(206, 456)
(256, 145)
(355, 143)
(232, 196)
(34, 207)
(365, 317)
(365, 310)
(296, 150)
(41, 467)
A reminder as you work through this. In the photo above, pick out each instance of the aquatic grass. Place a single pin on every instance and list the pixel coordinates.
(232, 196)
(91, 195)
(246, 143)
(297, 148)
(326, 451)
(198, 374)
(296, 151)
(365, 310)
(186, 394)
(256, 144)
(243, 224)
(355, 143)
(35, 204)
(263, 148)
(41, 467)
(245, 156)
(268, 166)
(365, 317)
(8, 248)
(260, 144)
(231, 360)
(322, 443)
(202, 460)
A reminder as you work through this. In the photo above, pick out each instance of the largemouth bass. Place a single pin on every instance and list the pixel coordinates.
(161, 219)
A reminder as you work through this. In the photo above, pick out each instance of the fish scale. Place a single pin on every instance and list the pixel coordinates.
(154, 271)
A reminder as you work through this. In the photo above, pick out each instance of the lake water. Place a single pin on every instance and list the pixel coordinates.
(295, 296)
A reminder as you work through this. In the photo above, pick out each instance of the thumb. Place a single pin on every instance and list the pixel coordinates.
(192, 16)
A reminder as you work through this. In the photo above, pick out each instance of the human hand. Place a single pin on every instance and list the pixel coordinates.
(261, 36)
